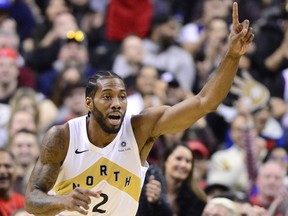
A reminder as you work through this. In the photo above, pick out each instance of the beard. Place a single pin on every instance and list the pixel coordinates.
(100, 119)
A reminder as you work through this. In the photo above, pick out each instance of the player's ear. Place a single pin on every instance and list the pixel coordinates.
(89, 103)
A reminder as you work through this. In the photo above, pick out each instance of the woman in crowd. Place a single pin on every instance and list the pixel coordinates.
(178, 172)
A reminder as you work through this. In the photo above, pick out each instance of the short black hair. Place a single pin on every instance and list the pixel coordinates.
(216, 186)
(92, 86)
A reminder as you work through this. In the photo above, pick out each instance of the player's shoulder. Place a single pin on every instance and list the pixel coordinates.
(59, 130)
(55, 144)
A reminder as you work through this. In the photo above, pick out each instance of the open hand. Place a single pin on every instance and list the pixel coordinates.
(252, 94)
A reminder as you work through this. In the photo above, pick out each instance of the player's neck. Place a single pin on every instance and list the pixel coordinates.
(97, 136)
(101, 140)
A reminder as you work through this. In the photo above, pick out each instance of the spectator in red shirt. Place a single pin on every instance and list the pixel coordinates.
(128, 17)
(10, 201)
(272, 193)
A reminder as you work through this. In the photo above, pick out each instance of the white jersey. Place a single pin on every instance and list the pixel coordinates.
(115, 170)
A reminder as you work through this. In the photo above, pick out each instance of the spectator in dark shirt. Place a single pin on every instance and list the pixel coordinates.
(153, 198)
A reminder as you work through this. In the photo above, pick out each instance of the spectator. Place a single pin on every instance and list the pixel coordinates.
(279, 155)
(25, 99)
(87, 17)
(162, 52)
(209, 55)
(178, 170)
(62, 23)
(153, 198)
(220, 206)
(21, 13)
(46, 51)
(24, 145)
(73, 52)
(243, 205)
(10, 39)
(215, 189)
(149, 90)
(202, 132)
(194, 34)
(268, 127)
(270, 60)
(18, 120)
(10, 200)
(175, 93)
(200, 154)
(272, 194)
(228, 166)
(91, 19)
(279, 110)
(130, 59)
(50, 10)
(43, 109)
(73, 102)
(9, 73)
(165, 141)
(70, 75)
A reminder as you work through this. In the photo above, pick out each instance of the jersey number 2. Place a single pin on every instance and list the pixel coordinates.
(97, 207)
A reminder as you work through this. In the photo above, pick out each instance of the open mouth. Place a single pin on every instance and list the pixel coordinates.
(3, 179)
(115, 118)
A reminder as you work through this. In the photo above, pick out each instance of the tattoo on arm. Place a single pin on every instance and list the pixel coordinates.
(47, 169)
(45, 176)
(52, 145)
(51, 156)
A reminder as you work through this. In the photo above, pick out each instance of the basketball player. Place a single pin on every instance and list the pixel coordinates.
(96, 164)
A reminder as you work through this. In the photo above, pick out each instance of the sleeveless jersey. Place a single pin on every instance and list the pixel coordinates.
(115, 170)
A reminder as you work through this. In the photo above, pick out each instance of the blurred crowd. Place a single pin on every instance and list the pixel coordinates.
(233, 161)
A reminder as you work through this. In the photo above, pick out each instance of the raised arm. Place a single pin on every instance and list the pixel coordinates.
(44, 175)
(182, 115)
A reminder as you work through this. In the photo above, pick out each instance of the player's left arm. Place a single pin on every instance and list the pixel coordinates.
(155, 121)
(182, 115)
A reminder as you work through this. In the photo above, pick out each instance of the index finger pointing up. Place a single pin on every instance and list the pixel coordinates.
(235, 13)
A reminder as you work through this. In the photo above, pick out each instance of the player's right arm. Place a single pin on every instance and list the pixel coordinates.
(53, 152)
